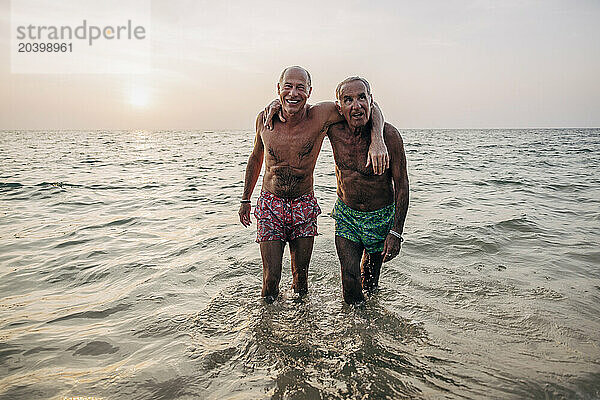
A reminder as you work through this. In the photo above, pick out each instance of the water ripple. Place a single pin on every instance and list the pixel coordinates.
(126, 274)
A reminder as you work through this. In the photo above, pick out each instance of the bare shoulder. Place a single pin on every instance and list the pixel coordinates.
(391, 135)
(323, 107)
(259, 117)
(259, 122)
(325, 112)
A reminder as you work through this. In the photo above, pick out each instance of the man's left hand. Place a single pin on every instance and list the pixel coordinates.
(391, 247)
(378, 157)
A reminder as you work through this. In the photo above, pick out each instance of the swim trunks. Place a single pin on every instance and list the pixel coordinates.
(369, 228)
(285, 219)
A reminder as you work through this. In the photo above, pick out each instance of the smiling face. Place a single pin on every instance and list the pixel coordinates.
(294, 89)
(355, 103)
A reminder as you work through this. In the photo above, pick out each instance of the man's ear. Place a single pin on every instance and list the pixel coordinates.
(278, 89)
(309, 91)
(371, 96)
(338, 106)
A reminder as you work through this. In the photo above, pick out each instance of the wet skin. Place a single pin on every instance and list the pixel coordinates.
(361, 190)
(289, 152)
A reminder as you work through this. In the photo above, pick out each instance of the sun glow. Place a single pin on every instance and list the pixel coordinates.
(139, 97)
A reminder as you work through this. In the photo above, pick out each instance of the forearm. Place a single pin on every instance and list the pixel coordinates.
(252, 174)
(377, 124)
(401, 194)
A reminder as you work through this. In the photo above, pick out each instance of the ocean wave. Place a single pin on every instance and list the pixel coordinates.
(127, 274)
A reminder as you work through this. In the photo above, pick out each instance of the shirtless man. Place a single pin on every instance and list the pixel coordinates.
(370, 210)
(287, 210)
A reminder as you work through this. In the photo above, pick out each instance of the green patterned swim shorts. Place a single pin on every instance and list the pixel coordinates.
(369, 228)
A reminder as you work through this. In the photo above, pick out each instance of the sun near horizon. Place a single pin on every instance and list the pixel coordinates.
(465, 64)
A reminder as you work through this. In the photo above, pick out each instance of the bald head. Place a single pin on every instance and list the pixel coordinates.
(295, 68)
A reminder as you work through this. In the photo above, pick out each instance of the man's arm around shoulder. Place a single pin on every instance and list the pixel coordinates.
(327, 113)
(377, 157)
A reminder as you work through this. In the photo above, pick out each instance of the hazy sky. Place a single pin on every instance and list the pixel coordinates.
(431, 64)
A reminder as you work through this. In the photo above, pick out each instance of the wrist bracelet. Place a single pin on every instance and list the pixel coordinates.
(399, 236)
(245, 201)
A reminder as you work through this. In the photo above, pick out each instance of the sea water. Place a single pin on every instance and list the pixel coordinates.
(125, 273)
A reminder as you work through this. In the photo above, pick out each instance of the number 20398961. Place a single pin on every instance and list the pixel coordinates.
(45, 47)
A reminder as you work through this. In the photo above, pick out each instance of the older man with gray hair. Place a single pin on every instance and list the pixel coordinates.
(370, 209)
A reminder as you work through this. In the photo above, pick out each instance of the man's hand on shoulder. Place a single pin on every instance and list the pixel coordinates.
(327, 113)
(378, 157)
(274, 108)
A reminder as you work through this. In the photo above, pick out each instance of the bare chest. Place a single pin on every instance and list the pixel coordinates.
(350, 153)
(290, 147)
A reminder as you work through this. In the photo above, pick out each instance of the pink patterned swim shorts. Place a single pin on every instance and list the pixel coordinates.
(285, 219)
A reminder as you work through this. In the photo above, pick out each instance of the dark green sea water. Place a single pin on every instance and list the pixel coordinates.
(125, 274)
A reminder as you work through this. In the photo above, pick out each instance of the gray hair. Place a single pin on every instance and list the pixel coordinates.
(295, 66)
(338, 89)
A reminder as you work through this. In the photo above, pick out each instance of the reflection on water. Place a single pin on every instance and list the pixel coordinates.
(125, 274)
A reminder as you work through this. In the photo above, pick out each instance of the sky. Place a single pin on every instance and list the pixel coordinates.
(431, 64)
